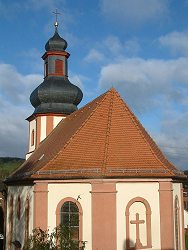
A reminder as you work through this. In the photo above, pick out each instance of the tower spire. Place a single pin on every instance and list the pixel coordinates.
(56, 97)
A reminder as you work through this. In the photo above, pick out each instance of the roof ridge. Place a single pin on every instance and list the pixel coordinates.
(108, 128)
(138, 124)
(102, 97)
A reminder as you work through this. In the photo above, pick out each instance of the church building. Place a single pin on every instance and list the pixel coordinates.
(98, 163)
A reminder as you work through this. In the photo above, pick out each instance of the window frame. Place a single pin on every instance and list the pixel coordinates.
(80, 211)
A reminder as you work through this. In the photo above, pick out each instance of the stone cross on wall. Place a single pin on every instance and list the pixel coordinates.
(137, 222)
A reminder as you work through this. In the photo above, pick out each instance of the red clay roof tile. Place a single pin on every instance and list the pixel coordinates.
(102, 139)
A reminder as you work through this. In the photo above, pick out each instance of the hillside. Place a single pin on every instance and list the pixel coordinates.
(8, 165)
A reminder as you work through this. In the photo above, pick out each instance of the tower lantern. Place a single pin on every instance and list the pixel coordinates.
(56, 97)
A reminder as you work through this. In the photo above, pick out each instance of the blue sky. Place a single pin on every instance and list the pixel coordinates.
(140, 47)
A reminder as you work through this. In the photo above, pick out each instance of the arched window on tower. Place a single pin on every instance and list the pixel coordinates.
(69, 217)
(32, 137)
(59, 67)
(27, 208)
(11, 213)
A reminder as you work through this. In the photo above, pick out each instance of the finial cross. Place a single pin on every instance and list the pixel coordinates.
(137, 222)
(56, 14)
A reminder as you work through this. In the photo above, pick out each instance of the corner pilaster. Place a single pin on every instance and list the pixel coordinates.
(41, 205)
(104, 216)
(166, 215)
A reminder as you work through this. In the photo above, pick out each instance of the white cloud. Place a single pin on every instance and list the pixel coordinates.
(146, 82)
(173, 137)
(177, 42)
(77, 80)
(134, 11)
(113, 44)
(112, 48)
(15, 89)
(94, 56)
(119, 48)
(13, 131)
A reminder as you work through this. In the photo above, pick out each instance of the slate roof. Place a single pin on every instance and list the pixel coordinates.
(103, 139)
(56, 95)
(56, 43)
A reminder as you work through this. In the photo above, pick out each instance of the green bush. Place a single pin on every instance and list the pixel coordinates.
(186, 240)
(60, 239)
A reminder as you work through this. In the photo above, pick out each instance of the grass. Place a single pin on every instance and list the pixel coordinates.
(8, 165)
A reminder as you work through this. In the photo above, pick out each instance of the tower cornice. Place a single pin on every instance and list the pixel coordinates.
(33, 116)
(57, 53)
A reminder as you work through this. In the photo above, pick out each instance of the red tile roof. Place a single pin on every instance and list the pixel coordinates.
(103, 139)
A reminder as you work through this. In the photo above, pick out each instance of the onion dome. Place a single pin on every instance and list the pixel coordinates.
(56, 95)
(56, 43)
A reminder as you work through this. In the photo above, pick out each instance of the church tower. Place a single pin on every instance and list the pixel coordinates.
(56, 97)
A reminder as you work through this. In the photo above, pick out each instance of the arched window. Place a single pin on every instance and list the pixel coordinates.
(177, 223)
(58, 66)
(32, 137)
(18, 208)
(138, 220)
(27, 208)
(70, 218)
(11, 211)
(69, 215)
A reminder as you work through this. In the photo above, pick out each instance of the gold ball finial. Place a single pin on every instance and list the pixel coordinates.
(56, 24)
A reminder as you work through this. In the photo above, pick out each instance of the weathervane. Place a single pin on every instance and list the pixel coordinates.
(56, 15)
